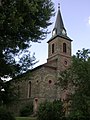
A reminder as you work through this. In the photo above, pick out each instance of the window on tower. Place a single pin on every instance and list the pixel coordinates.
(52, 48)
(64, 48)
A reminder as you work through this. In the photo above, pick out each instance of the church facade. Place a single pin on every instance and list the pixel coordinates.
(39, 84)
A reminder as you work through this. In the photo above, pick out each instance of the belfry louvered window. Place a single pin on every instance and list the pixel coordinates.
(52, 48)
(64, 47)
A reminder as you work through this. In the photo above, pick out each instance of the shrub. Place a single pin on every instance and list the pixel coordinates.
(50, 111)
(5, 114)
(26, 110)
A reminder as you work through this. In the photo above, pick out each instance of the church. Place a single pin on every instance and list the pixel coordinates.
(39, 84)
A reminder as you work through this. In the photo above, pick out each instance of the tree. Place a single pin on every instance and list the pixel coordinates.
(77, 77)
(81, 65)
(7, 93)
(21, 21)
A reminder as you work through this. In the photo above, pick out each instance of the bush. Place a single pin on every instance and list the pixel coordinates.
(5, 114)
(78, 114)
(79, 118)
(26, 110)
(50, 111)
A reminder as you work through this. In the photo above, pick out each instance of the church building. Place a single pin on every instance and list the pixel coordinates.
(39, 84)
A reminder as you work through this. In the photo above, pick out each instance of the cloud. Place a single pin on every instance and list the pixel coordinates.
(89, 20)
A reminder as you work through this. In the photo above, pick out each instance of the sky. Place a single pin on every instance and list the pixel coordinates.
(76, 18)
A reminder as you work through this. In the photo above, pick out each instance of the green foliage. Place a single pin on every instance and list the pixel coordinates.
(80, 106)
(7, 93)
(50, 111)
(24, 20)
(81, 98)
(5, 114)
(25, 118)
(21, 21)
(27, 110)
(78, 118)
(77, 77)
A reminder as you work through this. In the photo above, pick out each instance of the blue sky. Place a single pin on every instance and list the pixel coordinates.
(76, 18)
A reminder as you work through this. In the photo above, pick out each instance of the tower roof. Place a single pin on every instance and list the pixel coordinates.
(59, 29)
(59, 26)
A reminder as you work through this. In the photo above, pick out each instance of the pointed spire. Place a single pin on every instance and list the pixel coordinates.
(59, 26)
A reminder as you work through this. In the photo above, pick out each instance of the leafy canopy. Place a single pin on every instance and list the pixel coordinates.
(81, 65)
(77, 80)
(21, 21)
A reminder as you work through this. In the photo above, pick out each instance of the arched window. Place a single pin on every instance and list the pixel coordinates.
(52, 48)
(64, 48)
(29, 89)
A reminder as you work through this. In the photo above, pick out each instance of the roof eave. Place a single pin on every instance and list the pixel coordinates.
(65, 37)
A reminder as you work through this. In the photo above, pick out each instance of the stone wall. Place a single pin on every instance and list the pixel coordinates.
(43, 87)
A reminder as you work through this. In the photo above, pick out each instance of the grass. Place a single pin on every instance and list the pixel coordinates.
(25, 118)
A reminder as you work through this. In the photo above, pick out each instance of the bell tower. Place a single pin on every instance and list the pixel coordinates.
(59, 46)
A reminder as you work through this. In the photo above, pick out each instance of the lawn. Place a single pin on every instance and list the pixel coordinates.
(25, 118)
